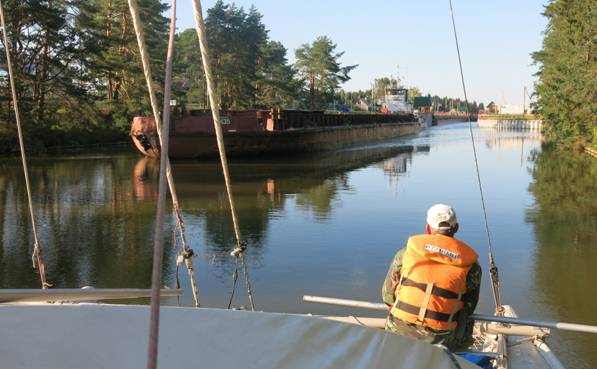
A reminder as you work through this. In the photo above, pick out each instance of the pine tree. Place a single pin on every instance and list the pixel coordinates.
(112, 59)
(276, 85)
(188, 77)
(319, 64)
(567, 87)
(235, 38)
(249, 70)
(45, 52)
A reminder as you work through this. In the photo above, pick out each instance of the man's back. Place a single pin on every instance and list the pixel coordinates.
(431, 288)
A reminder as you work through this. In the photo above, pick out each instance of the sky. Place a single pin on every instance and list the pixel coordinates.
(414, 39)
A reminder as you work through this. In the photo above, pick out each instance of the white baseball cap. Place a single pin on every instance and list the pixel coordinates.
(440, 213)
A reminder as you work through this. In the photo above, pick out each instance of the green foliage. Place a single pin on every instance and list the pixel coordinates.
(448, 104)
(319, 65)
(79, 75)
(235, 37)
(355, 100)
(381, 85)
(277, 85)
(422, 101)
(565, 225)
(188, 78)
(564, 183)
(77, 68)
(250, 71)
(111, 59)
(44, 50)
(567, 87)
(413, 93)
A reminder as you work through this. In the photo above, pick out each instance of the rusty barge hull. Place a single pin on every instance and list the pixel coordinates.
(286, 142)
(257, 134)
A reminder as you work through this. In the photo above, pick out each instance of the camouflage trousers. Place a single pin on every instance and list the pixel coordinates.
(421, 333)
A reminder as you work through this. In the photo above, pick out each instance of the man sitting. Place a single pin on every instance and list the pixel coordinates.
(433, 284)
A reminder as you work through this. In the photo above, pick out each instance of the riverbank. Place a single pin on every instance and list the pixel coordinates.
(52, 141)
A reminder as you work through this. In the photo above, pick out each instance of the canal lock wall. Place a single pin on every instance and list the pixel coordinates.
(526, 124)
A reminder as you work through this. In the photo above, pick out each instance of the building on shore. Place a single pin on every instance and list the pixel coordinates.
(510, 109)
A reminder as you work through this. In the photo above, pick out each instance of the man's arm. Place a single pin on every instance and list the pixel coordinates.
(464, 330)
(392, 278)
(473, 288)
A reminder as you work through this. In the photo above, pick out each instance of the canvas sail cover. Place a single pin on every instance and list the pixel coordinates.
(91, 336)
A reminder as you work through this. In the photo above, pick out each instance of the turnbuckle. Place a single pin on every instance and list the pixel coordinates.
(238, 250)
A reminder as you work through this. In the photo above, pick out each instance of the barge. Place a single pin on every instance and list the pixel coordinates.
(266, 132)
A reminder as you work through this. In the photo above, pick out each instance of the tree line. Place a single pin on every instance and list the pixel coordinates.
(251, 70)
(80, 81)
(567, 77)
(370, 98)
(77, 69)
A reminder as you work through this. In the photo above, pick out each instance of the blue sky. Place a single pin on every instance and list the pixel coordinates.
(496, 39)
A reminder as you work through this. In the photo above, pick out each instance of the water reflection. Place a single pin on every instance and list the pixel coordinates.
(399, 165)
(92, 229)
(499, 141)
(564, 219)
(263, 191)
(144, 174)
(96, 214)
(327, 224)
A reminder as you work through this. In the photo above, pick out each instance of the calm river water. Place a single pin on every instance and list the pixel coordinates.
(326, 225)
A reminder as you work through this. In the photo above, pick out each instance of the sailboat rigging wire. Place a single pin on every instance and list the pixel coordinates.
(158, 239)
(37, 255)
(495, 283)
(177, 273)
(134, 9)
(247, 280)
(215, 110)
(234, 279)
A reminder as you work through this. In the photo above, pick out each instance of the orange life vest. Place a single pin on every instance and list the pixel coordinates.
(433, 281)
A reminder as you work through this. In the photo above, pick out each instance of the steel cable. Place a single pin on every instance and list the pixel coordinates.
(493, 267)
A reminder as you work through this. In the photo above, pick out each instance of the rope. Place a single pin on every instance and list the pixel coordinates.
(495, 283)
(37, 255)
(134, 9)
(213, 100)
(158, 241)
